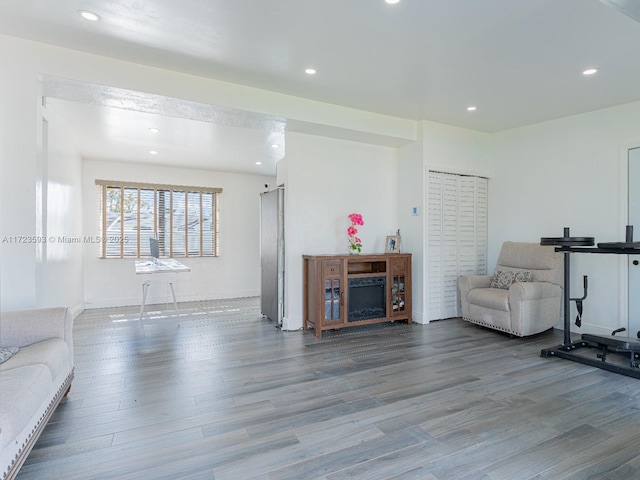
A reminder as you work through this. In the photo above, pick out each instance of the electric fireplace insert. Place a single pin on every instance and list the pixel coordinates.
(366, 298)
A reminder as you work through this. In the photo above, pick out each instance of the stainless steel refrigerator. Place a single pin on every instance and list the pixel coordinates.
(272, 254)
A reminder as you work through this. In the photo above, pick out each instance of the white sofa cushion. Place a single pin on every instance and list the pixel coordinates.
(53, 353)
(21, 395)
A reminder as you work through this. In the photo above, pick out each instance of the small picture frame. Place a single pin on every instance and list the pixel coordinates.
(392, 244)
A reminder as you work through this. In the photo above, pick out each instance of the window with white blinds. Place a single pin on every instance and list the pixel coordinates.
(457, 237)
(183, 219)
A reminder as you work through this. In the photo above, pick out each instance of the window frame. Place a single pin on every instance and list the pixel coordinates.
(170, 191)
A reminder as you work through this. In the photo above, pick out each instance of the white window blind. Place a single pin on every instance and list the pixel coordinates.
(183, 219)
(457, 237)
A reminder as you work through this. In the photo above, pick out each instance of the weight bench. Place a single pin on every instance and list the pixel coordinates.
(614, 344)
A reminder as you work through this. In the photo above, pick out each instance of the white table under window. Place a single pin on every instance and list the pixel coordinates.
(159, 267)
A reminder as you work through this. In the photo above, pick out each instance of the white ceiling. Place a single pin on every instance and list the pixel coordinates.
(518, 61)
(106, 133)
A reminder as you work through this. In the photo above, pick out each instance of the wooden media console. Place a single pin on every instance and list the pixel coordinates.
(348, 290)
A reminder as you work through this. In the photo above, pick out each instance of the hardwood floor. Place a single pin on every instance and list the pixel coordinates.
(226, 395)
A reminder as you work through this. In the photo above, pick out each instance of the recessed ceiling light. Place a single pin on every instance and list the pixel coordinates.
(87, 15)
(275, 145)
(471, 108)
(153, 152)
(590, 71)
(154, 130)
(310, 71)
(392, 2)
(258, 163)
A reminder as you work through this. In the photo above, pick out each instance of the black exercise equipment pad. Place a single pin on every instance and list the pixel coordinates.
(630, 245)
(623, 343)
(568, 241)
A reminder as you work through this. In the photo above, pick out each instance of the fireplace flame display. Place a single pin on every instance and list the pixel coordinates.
(367, 298)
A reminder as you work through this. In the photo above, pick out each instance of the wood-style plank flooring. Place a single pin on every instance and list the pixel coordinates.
(226, 395)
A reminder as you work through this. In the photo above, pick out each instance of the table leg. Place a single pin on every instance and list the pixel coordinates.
(175, 303)
(145, 286)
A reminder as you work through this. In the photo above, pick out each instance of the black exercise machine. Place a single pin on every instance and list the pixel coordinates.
(602, 344)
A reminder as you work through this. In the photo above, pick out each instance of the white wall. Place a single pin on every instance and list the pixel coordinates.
(326, 180)
(455, 150)
(63, 260)
(411, 194)
(567, 173)
(21, 120)
(235, 273)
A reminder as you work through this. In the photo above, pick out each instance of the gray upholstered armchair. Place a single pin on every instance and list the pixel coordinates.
(523, 297)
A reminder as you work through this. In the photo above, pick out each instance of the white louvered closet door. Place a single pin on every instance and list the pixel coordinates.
(457, 237)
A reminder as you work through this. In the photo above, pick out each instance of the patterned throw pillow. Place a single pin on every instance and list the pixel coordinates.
(504, 278)
(7, 352)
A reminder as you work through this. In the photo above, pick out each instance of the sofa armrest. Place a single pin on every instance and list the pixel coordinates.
(19, 328)
(520, 291)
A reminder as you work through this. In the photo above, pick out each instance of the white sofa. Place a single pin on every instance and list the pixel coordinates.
(34, 380)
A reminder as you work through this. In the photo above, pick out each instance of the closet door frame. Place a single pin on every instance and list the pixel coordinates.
(456, 240)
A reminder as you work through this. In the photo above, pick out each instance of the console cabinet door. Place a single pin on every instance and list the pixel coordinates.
(332, 274)
(400, 278)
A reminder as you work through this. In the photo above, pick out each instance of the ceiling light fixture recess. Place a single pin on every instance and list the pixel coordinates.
(310, 71)
(471, 108)
(258, 163)
(392, 2)
(153, 152)
(154, 130)
(87, 15)
(590, 71)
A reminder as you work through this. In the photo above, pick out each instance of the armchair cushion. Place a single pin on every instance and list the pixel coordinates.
(496, 298)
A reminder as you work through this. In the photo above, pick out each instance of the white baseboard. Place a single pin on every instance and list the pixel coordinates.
(136, 301)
